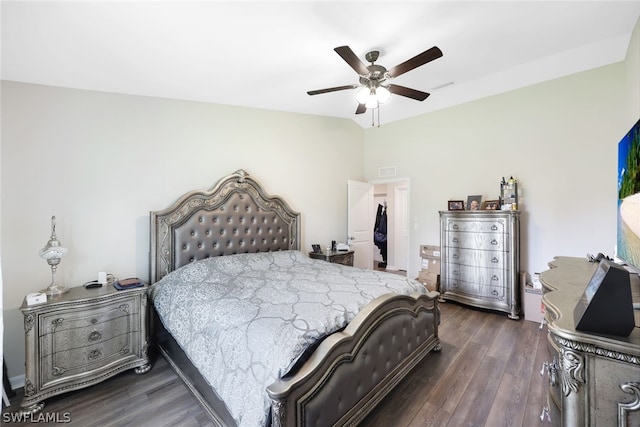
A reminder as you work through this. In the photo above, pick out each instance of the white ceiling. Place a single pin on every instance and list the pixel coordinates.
(268, 54)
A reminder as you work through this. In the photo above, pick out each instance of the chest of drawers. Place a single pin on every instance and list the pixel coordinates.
(80, 338)
(480, 259)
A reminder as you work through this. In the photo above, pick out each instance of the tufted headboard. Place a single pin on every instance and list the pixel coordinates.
(235, 216)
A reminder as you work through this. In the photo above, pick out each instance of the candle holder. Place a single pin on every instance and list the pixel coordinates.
(52, 253)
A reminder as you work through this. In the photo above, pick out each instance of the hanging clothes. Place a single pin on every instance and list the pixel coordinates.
(380, 233)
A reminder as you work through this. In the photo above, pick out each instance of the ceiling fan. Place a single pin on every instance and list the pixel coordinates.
(374, 89)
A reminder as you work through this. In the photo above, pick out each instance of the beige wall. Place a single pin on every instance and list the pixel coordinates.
(558, 139)
(100, 162)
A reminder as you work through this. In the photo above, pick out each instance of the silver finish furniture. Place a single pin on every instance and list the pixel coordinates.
(81, 338)
(337, 257)
(594, 380)
(350, 371)
(480, 259)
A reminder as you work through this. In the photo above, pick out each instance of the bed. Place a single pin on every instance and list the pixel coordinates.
(238, 247)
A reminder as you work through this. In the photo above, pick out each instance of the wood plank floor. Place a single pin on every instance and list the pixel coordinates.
(485, 375)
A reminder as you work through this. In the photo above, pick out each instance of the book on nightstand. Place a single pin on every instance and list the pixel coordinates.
(128, 284)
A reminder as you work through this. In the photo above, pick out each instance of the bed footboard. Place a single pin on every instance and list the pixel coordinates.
(351, 371)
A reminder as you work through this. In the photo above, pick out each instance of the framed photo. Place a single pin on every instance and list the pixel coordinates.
(490, 205)
(473, 203)
(456, 205)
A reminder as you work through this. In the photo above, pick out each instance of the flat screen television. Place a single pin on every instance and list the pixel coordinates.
(628, 240)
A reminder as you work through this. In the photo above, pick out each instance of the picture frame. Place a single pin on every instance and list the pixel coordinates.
(474, 202)
(490, 205)
(456, 205)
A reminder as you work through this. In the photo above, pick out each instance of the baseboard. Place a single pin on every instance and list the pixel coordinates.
(17, 382)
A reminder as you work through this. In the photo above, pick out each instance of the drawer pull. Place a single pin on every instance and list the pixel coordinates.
(94, 336)
(544, 322)
(454, 240)
(454, 273)
(94, 321)
(454, 226)
(545, 414)
(495, 260)
(552, 371)
(94, 354)
(494, 227)
(455, 256)
(494, 242)
(545, 366)
(495, 278)
(494, 293)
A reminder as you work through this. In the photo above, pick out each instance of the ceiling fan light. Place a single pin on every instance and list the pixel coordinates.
(383, 94)
(362, 95)
(372, 102)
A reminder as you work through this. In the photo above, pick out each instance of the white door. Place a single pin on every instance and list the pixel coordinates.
(360, 221)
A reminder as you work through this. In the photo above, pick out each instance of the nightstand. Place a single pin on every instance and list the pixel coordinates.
(338, 257)
(81, 338)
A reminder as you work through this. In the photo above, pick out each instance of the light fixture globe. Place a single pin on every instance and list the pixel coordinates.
(383, 94)
(52, 253)
(363, 94)
(372, 102)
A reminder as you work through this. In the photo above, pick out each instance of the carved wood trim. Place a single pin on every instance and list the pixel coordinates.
(572, 373)
(598, 351)
(632, 388)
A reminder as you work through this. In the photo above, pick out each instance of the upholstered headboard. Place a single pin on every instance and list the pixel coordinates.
(235, 216)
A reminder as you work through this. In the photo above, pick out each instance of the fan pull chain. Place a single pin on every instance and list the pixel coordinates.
(373, 122)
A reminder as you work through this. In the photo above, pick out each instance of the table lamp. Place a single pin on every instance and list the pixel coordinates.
(53, 252)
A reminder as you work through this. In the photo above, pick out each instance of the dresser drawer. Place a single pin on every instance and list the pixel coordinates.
(495, 260)
(475, 225)
(476, 241)
(475, 290)
(553, 373)
(472, 274)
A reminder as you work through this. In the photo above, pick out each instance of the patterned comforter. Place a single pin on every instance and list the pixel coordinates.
(244, 320)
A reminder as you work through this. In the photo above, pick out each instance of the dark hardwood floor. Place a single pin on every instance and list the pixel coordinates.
(485, 375)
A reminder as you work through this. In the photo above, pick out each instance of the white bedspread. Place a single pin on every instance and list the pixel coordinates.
(244, 320)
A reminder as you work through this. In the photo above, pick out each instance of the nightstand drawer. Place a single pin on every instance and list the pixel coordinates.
(98, 331)
(77, 320)
(336, 257)
(77, 361)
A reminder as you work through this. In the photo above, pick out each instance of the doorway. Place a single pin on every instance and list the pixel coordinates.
(395, 196)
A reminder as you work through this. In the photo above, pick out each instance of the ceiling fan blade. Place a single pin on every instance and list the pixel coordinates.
(332, 89)
(361, 109)
(418, 60)
(408, 92)
(352, 59)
